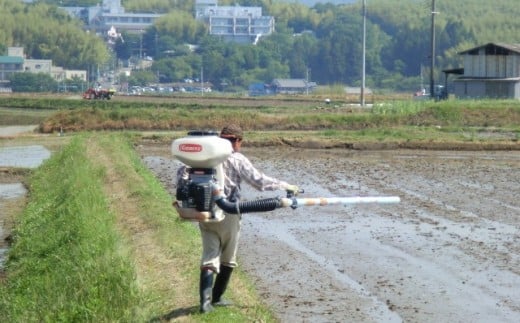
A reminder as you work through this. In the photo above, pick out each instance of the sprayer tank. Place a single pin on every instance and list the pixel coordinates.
(206, 151)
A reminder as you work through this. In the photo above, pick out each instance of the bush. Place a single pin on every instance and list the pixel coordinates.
(31, 82)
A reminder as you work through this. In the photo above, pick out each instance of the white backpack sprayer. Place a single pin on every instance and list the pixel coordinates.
(201, 196)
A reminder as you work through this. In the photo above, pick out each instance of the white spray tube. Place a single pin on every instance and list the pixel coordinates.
(322, 201)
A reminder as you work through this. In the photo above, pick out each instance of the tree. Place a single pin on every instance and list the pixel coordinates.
(339, 54)
(142, 78)
(123, 49)
(299, 58)
(50, 33)
(31, 82)
(180, 26)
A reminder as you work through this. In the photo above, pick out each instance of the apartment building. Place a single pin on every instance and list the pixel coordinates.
(234, 23)
(111, 13)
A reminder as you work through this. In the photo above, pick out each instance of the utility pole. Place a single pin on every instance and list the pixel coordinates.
(201, 80)
(141, 45)
(432, 67)
(307, 81)
(362, 90)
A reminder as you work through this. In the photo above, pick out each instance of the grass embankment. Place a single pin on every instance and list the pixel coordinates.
(452, 124)
(298, 121)
(100, 242)
(20, 117)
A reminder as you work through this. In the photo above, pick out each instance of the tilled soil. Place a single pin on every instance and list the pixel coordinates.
(449, 252)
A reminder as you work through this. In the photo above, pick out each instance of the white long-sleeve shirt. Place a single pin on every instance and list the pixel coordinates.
(238, 168)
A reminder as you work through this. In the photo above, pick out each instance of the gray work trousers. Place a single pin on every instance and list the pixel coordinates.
(220, 242)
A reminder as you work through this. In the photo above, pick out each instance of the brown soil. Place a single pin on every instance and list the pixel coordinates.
(447, 253)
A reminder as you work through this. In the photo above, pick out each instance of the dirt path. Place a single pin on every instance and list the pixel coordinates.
(448, 252)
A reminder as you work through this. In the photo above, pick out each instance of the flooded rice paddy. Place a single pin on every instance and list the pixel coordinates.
(12, 192)
(449, 252)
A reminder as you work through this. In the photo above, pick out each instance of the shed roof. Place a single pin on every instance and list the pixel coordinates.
(495, 48)
(290, 83)
(11, 60)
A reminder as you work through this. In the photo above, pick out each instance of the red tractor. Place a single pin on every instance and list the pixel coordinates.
(93, 94)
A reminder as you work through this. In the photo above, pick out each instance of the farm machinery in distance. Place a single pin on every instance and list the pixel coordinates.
(100, 94)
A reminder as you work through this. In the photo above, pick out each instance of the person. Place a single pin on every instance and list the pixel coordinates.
(220, 239)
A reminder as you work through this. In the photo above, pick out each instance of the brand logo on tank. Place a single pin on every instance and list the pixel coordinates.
(190, 148)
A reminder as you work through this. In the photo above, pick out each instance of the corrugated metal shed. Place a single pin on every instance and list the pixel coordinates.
(490, 71)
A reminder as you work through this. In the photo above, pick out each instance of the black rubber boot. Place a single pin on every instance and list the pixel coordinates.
(205, 289)
(221, 284)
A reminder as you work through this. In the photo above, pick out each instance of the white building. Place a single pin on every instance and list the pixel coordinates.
(234, 23)
(37, 65)
(111, 14)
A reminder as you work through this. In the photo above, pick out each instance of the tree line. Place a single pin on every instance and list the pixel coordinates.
(322, 43)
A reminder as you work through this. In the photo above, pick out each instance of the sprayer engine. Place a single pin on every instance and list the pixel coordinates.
(196, 192)
(203, 152)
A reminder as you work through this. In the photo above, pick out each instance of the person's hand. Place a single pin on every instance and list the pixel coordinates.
(292, 189)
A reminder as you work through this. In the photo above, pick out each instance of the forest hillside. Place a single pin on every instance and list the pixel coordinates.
(322, 42)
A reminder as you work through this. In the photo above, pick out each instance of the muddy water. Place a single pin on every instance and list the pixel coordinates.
(10, 193)
(449, 252)
(23, 156)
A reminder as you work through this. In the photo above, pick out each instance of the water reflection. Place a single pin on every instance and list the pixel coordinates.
(7, 191)
(19, 157)
(23, 157)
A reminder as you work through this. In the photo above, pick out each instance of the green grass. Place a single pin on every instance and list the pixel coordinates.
(23, 116)
(67, 263)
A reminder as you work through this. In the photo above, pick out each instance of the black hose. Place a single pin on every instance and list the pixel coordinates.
(263, 205)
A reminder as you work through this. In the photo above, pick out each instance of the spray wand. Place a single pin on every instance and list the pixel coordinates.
(270, 204)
